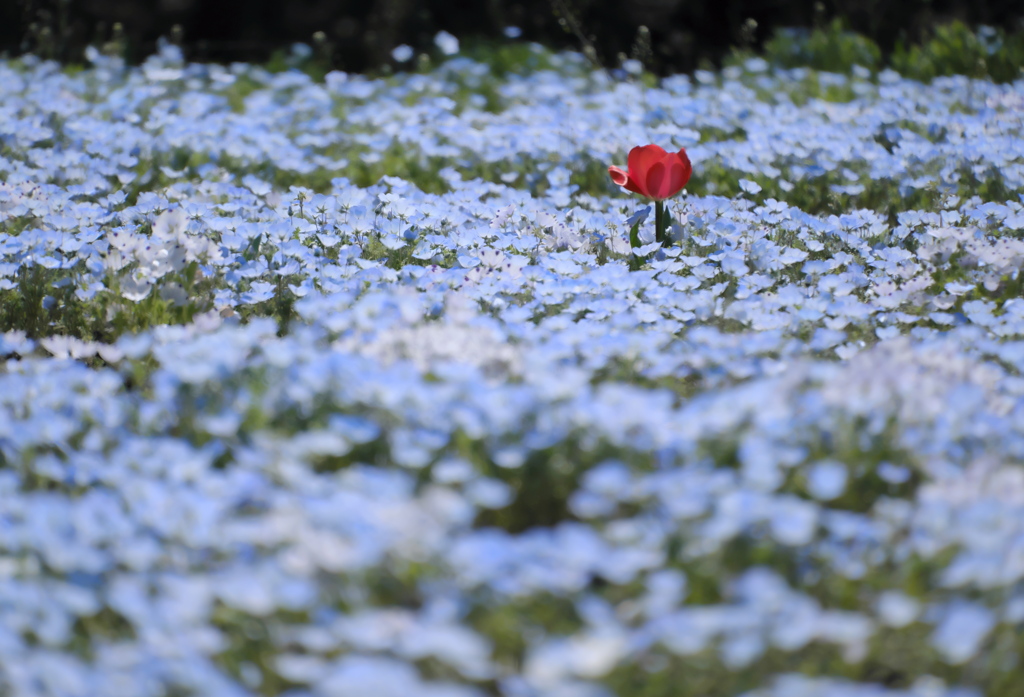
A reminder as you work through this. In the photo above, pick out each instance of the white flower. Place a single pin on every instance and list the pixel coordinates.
(448, 44)
(402, 53)
(897, 609)
(962, 631)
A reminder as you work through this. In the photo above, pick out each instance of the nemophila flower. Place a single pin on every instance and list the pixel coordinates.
(654, 173)
(448, 44)
(962, 631)
(547, 347)
(402, 53)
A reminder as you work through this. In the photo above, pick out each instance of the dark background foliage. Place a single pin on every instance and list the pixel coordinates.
(358, 35)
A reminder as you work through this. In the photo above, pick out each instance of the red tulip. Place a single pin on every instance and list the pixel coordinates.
(653, 172)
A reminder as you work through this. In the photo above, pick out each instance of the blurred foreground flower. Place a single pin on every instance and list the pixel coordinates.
(656, 174)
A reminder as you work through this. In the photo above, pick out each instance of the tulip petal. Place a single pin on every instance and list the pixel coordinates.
(619, 175)
(667, 177)
(657, 183)
(641, 159)
(677, 175)
(622, 178)
(684, 160)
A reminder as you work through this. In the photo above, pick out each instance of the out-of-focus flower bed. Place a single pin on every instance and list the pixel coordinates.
(347, 388)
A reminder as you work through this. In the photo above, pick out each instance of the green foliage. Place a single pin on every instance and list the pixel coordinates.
(951, 49)
(507, 625)
(955, 49)
(106, 625)
(241, 88)
(832, 48)
(503, 59)
(249, 648)
(896, 658)
(46, 302)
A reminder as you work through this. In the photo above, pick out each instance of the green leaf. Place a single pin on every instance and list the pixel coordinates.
(634, 235)
(253, 250)
(635, 262)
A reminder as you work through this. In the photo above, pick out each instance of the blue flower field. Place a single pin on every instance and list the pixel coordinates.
(356, 387)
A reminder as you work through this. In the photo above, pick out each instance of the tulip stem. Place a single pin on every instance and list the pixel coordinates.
(660, 220)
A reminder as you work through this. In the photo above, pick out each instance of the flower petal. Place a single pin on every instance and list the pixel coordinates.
(667, 177)
(641, 159)
(684, 160)
(658, 181)
(619, 175)
(622, 178)
(678, 175)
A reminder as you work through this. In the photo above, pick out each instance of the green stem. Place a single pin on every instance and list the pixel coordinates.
(659, 222)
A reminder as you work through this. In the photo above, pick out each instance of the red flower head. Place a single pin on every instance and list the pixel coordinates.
(653, 172)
